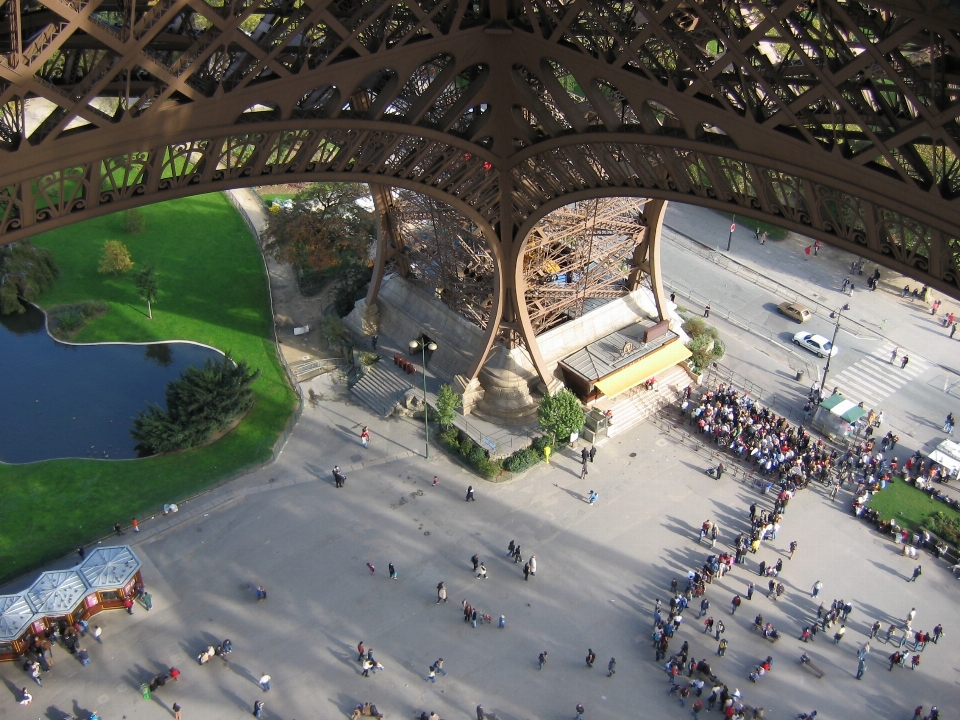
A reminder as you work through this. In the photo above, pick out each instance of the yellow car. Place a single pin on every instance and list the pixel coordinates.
(794, 311)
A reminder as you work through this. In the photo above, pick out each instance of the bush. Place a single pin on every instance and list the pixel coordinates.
(65, 320)
(539, 443)
(477, 455)
(134, 222)
(70, 320)
(466, 446)
(523, 460)
(115, 258)
(946, 527)
(203, 401)
(489, 468)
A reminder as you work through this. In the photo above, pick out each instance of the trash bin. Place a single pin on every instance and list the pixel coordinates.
(799, 375)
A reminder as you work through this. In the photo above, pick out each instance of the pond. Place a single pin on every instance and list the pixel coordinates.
(78, 401)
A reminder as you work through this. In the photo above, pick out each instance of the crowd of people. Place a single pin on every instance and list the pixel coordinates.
(792, 459)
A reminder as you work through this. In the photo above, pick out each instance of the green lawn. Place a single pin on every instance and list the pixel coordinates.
(908, 505)
(212, 290)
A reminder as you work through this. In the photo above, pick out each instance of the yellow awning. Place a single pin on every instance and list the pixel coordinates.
(643, 369)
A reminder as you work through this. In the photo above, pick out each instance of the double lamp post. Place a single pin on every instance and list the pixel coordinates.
(414, 345)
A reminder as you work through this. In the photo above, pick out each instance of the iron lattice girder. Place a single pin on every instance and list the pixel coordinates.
(838, 119)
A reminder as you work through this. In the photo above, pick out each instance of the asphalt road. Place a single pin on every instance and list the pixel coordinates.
(759, 340)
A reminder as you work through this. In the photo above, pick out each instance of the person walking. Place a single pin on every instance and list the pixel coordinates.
(392, 570)
(591, 657)
(580, 712)
(817, 587)
(526, 571)
(176, 712)
(25, 697)
(476, 561)
(441, 593)
(470, 495)
(97, 632)
(874, 629)
(584, 455)
(583, 470)
(438, 665)
(750, 590)
(336, 476)
(916, 574)
(612, 667)
(371, 568)
(593, 452)
(118, 529)
(953, 330)
(592, 497)
(903, 361)
(719, 630)
(265, 682)
(365, 436)
(482, 572)
(135, 524)
(258, 709)
(706, 311)
(542, 660)
(735, 603)
(861, 666)
(793, 549)
(361, 651)
(722, 647)
(838, 635)
(480, 714)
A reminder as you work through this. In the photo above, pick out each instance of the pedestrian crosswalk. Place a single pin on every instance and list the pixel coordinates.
(877, 375)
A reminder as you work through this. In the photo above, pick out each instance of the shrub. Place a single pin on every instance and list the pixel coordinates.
(115, 258)
(134, 222)
(67, 319)
(489, 468)
(466, 447)
(477, 455)
(523, 460)
(70, 320)
(946, 527)
(539, 443)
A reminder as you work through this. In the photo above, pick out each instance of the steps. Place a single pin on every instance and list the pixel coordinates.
(381, 389)
(639, 404)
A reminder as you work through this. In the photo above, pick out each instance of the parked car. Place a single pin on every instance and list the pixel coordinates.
(816, 344)
(794, 311)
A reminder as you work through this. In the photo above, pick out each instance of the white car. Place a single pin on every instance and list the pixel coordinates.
(816, 344)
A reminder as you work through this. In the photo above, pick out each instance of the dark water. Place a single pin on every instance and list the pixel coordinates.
(60, 401)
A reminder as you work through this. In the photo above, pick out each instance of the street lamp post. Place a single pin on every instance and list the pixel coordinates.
(833, 342)
(431, 346)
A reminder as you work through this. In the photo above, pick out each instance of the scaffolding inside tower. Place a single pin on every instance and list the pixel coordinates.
(447, 255)
(580, 257)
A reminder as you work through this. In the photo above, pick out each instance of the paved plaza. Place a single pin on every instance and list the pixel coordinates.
(600, 569)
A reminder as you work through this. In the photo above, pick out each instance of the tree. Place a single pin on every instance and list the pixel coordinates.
(25, 272)
(324, 225)
(115, 258)
(447, 403)
(561, 414)
(203, 401)
(134, 222)
(704, 344)
(333, 330)
(326, 234)
(145, 280)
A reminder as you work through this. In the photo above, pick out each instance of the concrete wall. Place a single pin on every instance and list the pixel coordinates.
(559, 342)
(406, 312)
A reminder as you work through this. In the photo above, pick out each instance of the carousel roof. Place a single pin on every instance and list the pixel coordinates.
(15, 616)
(58, 591)
(109, 567)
